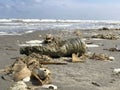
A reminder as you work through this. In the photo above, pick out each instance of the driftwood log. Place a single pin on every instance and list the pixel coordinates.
(53, 49)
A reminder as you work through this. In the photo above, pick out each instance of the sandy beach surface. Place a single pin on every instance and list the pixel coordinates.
(90, 75)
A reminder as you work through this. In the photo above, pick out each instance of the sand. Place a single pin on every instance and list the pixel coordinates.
(90, 75)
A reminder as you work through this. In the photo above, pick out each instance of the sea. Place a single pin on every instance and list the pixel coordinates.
(21, 26)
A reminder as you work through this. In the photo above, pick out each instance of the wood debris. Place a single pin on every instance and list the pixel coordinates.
(75, 58)
(109, 36)
(100, 56)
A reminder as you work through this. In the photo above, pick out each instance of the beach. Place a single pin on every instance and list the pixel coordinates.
(89, 75)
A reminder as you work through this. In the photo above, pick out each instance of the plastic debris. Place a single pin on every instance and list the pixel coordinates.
(111, 58)
(116, 70)
(40, 52)
(43, 75)
(50, 86)
(26, 79)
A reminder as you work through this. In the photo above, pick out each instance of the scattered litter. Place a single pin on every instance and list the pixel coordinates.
(116, 70)
(91, 45)
(109, 36)
(43, 75)
(39, 53)
(26, 67)
(100, 56)
(50, 86)
(111, 58)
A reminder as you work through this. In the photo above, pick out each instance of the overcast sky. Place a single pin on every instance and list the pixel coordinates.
(61, 9)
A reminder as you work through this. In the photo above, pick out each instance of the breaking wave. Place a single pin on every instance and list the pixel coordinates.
(21, 26)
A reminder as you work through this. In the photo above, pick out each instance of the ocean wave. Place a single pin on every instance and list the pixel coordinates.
(21, 26)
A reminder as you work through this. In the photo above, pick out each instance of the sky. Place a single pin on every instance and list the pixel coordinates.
(61, 9)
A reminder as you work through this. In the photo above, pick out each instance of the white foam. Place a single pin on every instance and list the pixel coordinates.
(60, 20)
(64, 25)
(23, 25)
(29, 31)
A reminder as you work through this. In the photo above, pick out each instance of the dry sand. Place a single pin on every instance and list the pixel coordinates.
(90, 75)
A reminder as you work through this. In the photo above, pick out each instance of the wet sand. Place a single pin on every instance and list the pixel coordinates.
(90, 75)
